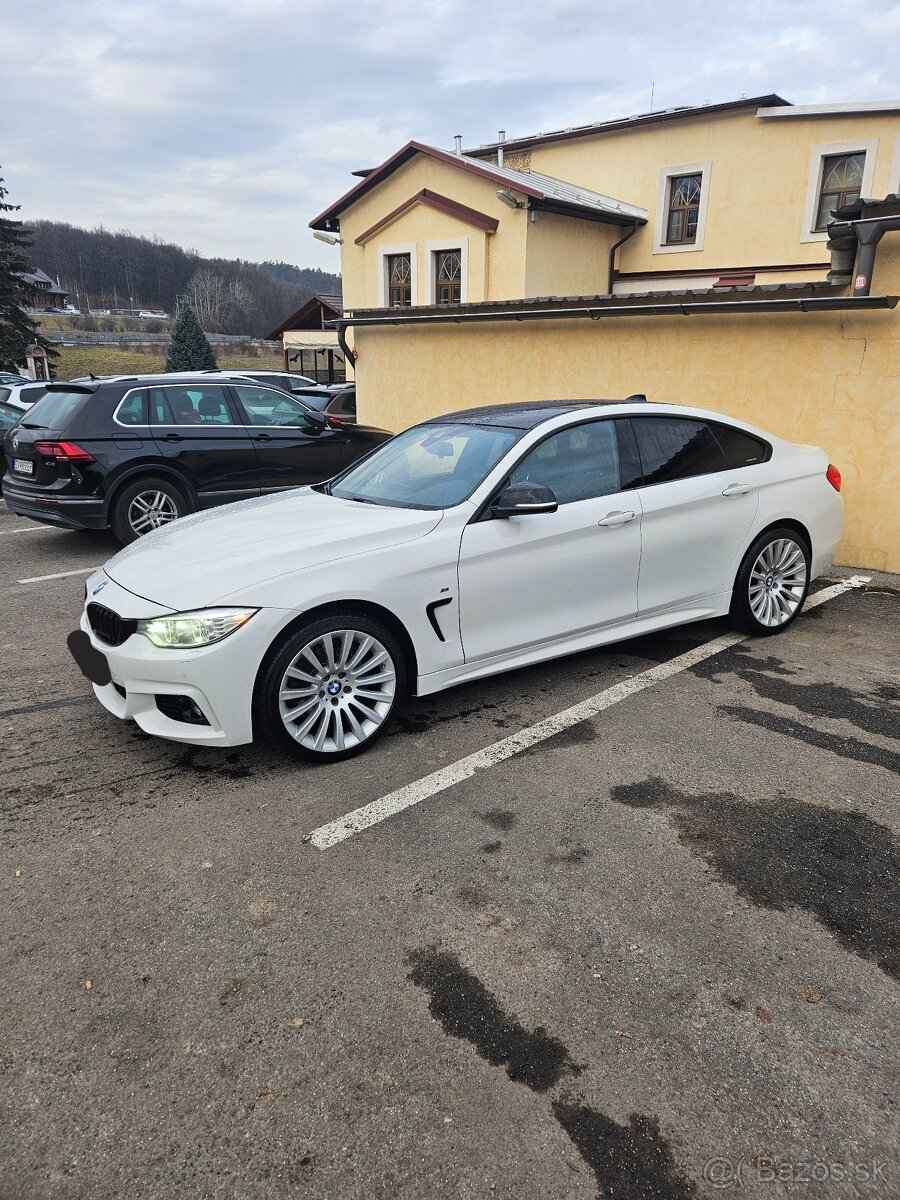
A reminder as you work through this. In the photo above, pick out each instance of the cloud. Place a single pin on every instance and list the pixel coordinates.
(226, 124)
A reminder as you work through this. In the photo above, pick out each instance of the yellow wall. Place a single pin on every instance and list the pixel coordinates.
(502, 254)
(568, 257)
(832, 379)
(757, 184)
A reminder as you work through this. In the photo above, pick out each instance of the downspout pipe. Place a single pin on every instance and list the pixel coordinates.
(868, 234)
(612, 254)
(349, 355)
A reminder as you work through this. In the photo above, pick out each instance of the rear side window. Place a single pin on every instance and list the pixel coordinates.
(55, 410)
(741, 449)
(190, 404)
(674, 448)
(31, 395)
(133, 410)
(4, 393)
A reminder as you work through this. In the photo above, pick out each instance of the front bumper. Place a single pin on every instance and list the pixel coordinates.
(219, 678)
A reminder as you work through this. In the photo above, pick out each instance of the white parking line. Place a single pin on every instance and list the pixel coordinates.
(59, 575)
(27, 529)
(438, 781)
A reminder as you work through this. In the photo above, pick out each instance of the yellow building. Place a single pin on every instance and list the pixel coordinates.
(683, 254)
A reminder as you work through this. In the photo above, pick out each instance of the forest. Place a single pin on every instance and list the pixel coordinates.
(101, 269)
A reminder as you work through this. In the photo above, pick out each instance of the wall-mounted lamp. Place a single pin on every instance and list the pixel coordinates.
(508, 198)
(329, 238)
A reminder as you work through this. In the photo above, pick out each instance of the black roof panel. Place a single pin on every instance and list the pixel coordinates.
(527, 415)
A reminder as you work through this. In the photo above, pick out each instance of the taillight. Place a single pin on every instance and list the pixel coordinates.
(833, 476)
(335, 422)
(63, 451)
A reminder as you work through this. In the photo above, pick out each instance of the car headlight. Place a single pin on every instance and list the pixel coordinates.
(182, 631)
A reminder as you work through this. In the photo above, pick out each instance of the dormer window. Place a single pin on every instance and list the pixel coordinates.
(842, 177)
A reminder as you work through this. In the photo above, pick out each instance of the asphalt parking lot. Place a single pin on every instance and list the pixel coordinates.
(653, 954)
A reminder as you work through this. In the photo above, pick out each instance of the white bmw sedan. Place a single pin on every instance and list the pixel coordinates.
(474, 543)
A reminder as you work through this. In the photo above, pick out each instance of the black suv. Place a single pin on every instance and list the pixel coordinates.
(134, 454)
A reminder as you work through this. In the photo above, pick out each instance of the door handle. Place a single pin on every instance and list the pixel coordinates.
(172, 437)
(262, 437)
(614, 519)
(736, 489)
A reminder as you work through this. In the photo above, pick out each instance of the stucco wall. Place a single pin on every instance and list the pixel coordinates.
(832, 379)
(567, 256)
(757, 182)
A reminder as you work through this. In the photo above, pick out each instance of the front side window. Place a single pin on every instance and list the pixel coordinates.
(674, 448)
(842, 176)
(264, 406)
(447, 277)
(684, 209)
(429, 466)
(399, 272)
(578, 463)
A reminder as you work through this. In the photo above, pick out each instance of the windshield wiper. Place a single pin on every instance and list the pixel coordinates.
(362, 500)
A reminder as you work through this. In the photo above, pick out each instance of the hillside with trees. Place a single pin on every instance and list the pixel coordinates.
(101, 269)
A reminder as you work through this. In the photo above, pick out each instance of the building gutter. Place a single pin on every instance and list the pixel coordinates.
(613, 273)
(868, 233)
(598, 312)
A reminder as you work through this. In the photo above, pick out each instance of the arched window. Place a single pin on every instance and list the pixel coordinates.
(842, 176)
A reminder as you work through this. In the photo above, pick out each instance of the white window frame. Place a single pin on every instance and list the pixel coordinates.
(386, 252)
(894, 180)
(817, 156)
(433, 248)
(663, 191)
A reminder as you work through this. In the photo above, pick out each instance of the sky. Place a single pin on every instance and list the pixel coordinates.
(226, 125)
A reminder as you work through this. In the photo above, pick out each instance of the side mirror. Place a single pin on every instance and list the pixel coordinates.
(524, 500)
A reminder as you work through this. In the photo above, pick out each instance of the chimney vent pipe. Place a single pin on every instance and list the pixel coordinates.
(501, 138)
(457, 143)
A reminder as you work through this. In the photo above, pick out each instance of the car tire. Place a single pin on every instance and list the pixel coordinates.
(772, 583)
(144, 505)
(332, 687)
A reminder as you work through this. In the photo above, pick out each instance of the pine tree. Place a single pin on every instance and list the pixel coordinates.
(189, 349)
(17, 330)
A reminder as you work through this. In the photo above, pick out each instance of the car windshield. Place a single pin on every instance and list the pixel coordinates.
(316, 400)
(430, 466)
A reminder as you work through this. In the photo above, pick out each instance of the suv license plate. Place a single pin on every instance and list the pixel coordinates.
(24, 466)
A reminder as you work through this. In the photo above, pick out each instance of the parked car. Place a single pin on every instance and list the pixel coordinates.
(22, 394)
(9, 415)
(134, 454)
(287, 380)
(337, 402)
(10, 377)
(474, 543)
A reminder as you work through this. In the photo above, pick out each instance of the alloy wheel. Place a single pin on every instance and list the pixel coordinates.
(777, 582)
(149, 510)
(338, 691)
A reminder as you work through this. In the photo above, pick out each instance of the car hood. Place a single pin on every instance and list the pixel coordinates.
(203, 559)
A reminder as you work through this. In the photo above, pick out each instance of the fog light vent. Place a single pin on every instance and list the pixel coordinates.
(181, 708)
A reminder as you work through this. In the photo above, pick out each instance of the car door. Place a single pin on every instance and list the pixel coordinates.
(291, 449)
(696, 512)
(195, 429)
(534, 579)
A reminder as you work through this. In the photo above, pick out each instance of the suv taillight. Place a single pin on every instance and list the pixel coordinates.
(833, 476)
(65, 451)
